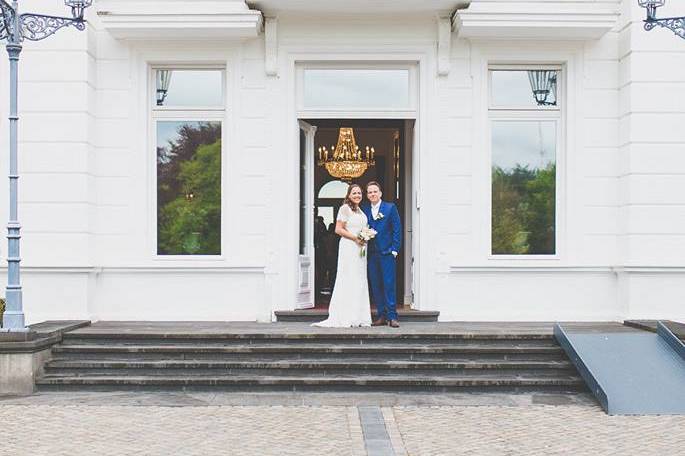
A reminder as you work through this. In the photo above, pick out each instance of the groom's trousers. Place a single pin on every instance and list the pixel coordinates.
(382, 282)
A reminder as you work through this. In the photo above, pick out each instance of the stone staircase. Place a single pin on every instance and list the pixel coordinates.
(304, 359)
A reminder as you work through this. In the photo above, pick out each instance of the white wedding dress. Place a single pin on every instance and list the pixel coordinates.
(350, 301)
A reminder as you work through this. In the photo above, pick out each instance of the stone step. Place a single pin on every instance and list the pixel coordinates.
(298, 373)
(317, 367)
(340, 352)
(309, 364)
(312, 315)
(563, 382)
(324, 336)
(294, 356)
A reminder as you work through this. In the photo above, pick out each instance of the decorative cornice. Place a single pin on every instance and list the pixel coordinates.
(159, 19)
(550, 20)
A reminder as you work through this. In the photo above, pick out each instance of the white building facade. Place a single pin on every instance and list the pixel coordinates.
(568, 205)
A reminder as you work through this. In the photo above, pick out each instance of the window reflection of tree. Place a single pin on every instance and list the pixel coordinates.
(523, 210)
(190, 164)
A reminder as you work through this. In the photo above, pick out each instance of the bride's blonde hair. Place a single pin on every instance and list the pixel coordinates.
(348, 201)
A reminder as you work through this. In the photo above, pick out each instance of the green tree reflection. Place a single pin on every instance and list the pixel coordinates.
(189, 191)
(523, 210)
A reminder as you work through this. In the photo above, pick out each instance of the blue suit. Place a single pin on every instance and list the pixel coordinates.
(381, 263)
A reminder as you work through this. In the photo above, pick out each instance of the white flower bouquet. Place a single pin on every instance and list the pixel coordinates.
(366, 234)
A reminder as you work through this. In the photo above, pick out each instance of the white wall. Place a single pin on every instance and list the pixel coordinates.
(87, 195)
(652, 165)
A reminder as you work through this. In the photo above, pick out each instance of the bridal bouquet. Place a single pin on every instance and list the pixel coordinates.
(366, 234)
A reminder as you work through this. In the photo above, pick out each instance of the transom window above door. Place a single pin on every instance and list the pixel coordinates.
(390, 89)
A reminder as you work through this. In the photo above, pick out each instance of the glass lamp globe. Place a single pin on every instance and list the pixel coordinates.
(651, 3)
(78, 7)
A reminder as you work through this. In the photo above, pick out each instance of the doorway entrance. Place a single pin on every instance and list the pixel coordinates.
(322, 195)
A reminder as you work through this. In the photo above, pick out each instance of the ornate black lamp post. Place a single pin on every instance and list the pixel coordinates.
(15, 28)
(676, 24)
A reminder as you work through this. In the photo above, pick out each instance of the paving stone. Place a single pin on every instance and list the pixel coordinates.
(52, 429)
(107, 430)
(177, 399)
(380, 447)
(536, 430)
(376, 436)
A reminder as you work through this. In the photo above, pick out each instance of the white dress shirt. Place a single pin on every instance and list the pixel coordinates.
(375, 208)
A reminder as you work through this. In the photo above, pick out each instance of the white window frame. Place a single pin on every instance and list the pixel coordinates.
(181, 114)
(522, 114)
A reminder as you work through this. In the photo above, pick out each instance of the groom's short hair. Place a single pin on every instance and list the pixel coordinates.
(374, 183)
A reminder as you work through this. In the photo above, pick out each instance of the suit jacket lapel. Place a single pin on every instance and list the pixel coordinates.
(383, 209)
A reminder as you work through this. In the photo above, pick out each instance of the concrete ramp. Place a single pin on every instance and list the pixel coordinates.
(630, 372)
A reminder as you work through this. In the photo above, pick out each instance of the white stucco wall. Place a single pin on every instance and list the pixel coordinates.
(652, 165)
(87, 185)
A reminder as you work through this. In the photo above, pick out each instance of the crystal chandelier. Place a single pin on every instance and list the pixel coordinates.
(345, 161)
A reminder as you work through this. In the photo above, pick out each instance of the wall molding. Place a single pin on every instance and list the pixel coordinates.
(526, 269)
(158, 19)
(568, 269)
(139, 269)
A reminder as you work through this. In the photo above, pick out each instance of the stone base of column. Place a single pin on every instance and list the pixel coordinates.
(24, 353)
(18, 371)
(20, 361)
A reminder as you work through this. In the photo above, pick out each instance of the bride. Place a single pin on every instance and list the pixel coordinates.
(350, 301)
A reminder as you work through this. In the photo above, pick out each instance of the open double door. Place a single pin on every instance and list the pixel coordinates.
(402, 191)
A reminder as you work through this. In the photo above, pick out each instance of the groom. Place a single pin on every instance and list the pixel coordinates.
(383, 249)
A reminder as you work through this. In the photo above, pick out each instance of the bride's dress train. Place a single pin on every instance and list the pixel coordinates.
(350, 300)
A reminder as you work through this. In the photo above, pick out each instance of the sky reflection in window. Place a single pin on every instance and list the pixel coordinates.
(516, 88)
(183, 88)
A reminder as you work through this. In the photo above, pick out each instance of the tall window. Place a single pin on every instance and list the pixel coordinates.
(187, 111)
(525, 118)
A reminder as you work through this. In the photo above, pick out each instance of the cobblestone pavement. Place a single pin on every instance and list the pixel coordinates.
(536, 430)
(45, 426)
(106, 430)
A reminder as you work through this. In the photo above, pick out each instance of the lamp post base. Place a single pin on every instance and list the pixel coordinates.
(13, 319)
(13, 322)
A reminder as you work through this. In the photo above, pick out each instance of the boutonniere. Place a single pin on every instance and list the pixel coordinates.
(379, 216)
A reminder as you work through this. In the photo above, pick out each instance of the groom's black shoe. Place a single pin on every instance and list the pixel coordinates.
(394, 324)
(380, 322)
